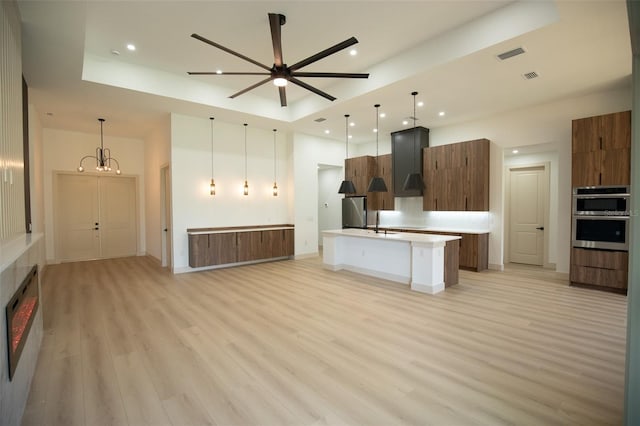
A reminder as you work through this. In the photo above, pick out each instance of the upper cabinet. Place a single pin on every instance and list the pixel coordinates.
(601, 150)
(360, 170)
(456, 177)
(406, 153)
(383, 200)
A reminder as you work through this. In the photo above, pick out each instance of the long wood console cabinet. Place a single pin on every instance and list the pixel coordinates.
(220, 246)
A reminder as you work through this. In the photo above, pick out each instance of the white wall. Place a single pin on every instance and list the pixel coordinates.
(329, 201)
(157, 152)
(308, 153)
(193, 207)
(36, 161)
(63, 149)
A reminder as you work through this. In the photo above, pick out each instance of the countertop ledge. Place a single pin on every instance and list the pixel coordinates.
(393, 236)
(13, 248)
(404, 228)
(197, 231)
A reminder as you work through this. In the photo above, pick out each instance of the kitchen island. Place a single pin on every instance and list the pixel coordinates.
(427, 262)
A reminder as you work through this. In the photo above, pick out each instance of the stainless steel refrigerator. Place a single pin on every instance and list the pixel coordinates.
(354, 212)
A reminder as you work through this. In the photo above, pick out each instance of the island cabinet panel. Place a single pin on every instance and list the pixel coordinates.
(451, 261)
(601, 150)
(456, 177)
(603, 268)
(288, 244)
(222, 248)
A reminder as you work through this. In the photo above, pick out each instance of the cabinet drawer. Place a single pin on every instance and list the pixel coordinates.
(614, 278)
(604, 259)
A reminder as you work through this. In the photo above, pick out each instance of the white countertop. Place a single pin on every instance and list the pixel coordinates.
(13, 248)
(227, 231)
(392, 236)
(437, 229)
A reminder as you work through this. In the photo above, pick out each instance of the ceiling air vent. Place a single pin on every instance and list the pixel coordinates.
(320, 120)
(511, 53)
(530, 75)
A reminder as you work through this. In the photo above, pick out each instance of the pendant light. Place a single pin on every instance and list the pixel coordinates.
(377, 183)
(347, 186)
(275, 184)
(413, 181)
(212, 185)
(103, 156)
(246, 184)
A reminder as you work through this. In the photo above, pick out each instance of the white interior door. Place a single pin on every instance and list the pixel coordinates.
(527, 203)
(118, 225)
(96, 217)
(77, 217)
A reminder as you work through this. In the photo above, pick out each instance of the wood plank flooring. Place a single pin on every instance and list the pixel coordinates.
(289, 343)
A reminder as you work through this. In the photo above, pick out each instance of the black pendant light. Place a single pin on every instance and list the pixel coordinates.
(377, 183)
(413, 181)
(347, 186)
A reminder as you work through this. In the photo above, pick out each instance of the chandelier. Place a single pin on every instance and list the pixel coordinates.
(103, 156)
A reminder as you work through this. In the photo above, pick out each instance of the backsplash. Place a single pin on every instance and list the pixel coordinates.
(408, 212)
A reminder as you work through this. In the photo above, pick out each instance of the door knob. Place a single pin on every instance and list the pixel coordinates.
(541, 228)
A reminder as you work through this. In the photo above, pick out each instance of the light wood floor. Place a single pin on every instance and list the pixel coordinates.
(288, 343)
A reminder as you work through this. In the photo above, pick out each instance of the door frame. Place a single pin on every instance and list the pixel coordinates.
(166, 246)
(56, 213)
(546, 167)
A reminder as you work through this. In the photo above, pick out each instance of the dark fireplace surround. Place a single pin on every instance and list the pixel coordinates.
(20, 311)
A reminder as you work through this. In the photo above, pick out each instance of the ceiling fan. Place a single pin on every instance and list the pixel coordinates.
(280, 73)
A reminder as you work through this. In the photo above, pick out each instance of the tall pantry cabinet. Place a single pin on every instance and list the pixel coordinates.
(601, 150)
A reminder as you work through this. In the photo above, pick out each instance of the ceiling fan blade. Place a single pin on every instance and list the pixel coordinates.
(276, 21)
(260, 83)
(330, 74)
(226, 49)
(330, 51)
(283, 96)
(311, 89)
(226, 73)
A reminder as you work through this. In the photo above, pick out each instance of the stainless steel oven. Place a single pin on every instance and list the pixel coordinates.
(601, 217)
(601, 201)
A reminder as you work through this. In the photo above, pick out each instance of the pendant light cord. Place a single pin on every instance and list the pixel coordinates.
(245, 151)
(414, 127)
(211, 118)
(274, 156)
(377, 130)
(346, 137)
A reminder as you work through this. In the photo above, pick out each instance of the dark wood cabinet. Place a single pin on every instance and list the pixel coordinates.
(406, 152)
(456, 177)
(238, 244)
(603, 268)
(360, 170)
(383, 200)
(601, 150)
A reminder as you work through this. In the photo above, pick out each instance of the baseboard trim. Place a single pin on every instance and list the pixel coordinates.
(496, 267)
(187, 269)
(306, 255)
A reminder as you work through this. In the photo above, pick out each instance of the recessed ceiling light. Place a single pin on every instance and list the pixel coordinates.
(352, 124)
(327, 131)
(375, 130)
(131, 47)
(350, 136)
(420, 103)
(353, 52)
(441, 113)
(218, 71)
(405, 122)
(115, 52)
(515, 151)
(383, 115)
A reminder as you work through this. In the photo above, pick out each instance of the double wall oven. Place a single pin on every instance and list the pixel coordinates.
(601, 217)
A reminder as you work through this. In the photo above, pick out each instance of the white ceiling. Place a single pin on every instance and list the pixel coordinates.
(445, 50)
